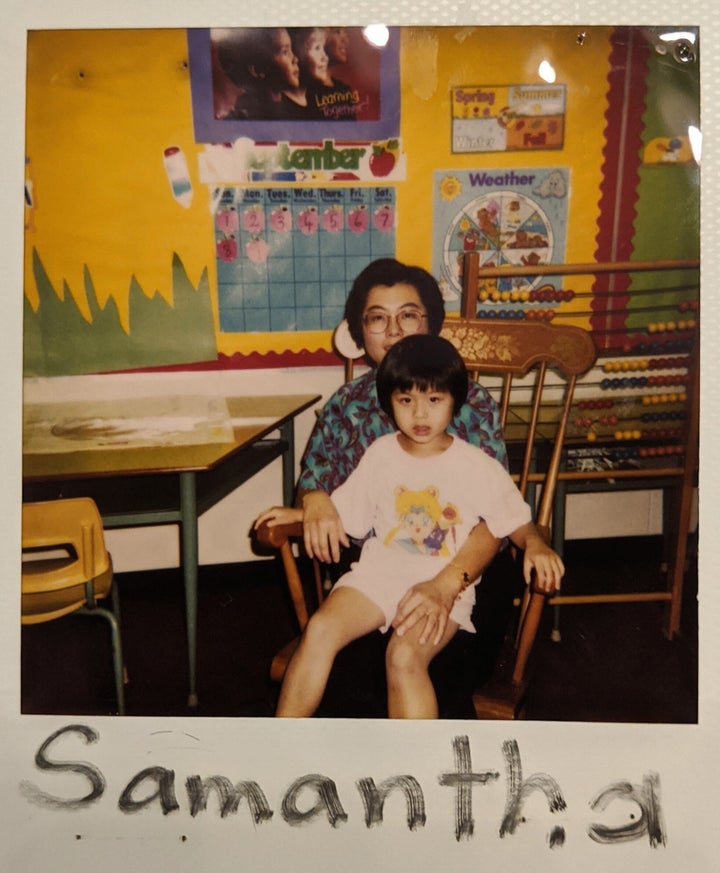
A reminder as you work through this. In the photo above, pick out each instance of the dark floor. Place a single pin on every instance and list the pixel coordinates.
(613, 662)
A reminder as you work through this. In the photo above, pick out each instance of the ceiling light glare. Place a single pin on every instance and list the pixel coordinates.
(376, 34)
(547, 72)
(695, 137)
(675, 35)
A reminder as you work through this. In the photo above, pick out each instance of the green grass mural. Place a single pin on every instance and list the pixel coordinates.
(59, 341)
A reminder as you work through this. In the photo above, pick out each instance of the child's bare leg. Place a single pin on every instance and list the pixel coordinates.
(343, 617)
(410, 690)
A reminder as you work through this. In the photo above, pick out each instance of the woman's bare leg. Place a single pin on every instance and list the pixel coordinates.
(410, 690)
(343, 617)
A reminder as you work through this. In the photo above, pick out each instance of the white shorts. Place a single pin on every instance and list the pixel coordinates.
(387, 591)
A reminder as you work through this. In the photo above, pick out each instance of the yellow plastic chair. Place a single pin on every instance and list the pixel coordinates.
(67, 569)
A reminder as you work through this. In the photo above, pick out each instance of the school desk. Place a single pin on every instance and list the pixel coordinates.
(138, 483)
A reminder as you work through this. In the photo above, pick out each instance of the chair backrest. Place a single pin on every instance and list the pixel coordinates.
(63, 551)
(510, 351)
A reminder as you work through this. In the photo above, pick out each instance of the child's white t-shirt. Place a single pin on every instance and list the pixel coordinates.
(421, 510)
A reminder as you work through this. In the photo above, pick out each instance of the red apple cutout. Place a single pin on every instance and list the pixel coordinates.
(358, 219)
(281, 219)
(227, 250)
(226, 221)
(381, 161)
(257, 250)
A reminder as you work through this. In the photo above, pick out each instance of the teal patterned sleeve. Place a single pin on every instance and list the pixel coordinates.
(348, 423)
(478, 423)
(316, 472)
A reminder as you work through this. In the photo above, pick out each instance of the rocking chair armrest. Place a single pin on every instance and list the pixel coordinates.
(544, 531)
(277, 535)
(530, 622)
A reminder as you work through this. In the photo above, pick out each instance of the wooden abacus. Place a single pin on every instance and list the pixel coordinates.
(657, 431)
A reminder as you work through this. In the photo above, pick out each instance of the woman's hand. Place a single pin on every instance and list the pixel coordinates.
(429, 602)
(323, 532)
(278, 515)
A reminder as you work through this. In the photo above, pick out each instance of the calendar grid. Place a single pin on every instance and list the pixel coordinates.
(286, 257)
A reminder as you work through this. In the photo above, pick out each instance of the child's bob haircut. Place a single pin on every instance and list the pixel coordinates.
(424, 362)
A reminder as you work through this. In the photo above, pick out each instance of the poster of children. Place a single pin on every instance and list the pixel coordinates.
(290, 83)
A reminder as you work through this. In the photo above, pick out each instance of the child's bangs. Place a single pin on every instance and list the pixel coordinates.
(422, 383)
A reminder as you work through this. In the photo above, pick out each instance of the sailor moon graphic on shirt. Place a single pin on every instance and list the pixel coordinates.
(424, 524)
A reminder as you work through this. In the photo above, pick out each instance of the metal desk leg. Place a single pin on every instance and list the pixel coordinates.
(287, 434)
(189, 552)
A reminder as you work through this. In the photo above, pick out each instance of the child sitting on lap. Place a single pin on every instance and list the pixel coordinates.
(418, 493)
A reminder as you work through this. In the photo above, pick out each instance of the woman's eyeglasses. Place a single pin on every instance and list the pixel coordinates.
(407, 320)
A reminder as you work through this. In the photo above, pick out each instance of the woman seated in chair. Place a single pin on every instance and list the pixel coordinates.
(390, 300)
(412, 528)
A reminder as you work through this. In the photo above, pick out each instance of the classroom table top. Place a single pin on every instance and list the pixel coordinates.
(248, 419)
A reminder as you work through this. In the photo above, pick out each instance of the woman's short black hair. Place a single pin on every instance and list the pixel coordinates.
(425, 362)
(389, 272)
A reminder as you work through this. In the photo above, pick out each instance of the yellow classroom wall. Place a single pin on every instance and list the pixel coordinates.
(436, 59)
(104, 105)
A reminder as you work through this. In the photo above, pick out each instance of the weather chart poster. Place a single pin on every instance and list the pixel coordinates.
(516, 217)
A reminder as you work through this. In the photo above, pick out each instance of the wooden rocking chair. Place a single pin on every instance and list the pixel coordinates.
(503, 350)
